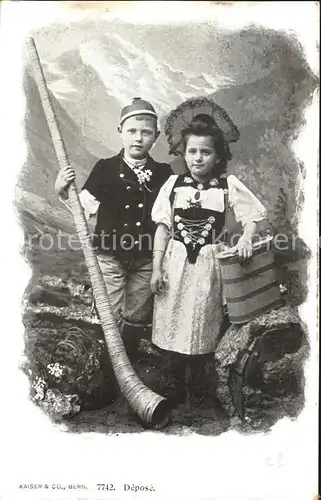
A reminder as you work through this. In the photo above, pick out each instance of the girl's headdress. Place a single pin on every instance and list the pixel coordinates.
(183, 115)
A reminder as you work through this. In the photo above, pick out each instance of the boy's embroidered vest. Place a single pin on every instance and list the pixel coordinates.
(195, 226)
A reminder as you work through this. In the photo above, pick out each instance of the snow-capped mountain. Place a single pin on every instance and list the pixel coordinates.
(93, 81)
(104, 74)
(127, 71)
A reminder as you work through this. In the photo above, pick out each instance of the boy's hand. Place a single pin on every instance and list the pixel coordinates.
(244, 249)
(64, 178)
(157, 282)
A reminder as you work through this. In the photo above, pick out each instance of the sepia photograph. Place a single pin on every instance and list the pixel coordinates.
(160, 204)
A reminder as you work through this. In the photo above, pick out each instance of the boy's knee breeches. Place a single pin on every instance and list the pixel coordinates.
(128, 287)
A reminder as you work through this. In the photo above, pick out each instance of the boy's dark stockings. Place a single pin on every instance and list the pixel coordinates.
(131, 336)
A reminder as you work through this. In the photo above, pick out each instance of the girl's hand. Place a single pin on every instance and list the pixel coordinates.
(64, 178)
(157, 282)
(244, 249)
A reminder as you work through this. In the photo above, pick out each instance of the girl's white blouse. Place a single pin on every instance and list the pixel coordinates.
(246, 206)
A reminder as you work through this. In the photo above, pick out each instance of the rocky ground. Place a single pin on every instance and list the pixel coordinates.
(53, 305)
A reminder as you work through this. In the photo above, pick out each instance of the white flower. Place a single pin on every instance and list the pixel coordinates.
(56, 370)
(188, 180)
(213, 182)
(143, 175)
(39, 385)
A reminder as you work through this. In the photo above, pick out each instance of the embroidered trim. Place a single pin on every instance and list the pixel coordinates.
(200, 185)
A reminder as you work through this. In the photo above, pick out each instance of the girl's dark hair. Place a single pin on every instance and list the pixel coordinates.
(205, 125)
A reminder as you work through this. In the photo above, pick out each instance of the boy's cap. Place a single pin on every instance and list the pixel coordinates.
(137, 107)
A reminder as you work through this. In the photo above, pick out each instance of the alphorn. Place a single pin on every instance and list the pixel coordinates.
(152, 409)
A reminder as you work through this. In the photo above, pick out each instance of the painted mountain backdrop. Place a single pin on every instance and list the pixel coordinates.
(260, 78)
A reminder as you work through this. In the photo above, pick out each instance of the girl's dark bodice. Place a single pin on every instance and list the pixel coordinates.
(196, 226)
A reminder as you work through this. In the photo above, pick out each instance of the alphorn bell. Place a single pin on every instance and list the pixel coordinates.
(152, 409)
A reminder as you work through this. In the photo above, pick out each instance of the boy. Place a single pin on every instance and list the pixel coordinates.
(121, 191)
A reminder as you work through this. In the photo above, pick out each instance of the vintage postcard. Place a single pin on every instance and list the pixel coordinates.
(160, 246)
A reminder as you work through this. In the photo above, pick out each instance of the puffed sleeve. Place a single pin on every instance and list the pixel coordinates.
(161, 211)
(246, 206)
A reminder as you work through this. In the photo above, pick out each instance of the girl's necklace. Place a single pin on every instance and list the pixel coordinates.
(213, 182)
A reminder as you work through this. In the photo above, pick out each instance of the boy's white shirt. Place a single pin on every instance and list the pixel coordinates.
(88, 202)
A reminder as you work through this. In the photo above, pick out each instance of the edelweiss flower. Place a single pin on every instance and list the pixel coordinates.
(213, 182)
(188, 180)
(56, 370)
(143, 175)
(39, 386)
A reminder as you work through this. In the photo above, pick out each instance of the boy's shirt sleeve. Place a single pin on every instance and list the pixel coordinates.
(89, 203)
(90, 193)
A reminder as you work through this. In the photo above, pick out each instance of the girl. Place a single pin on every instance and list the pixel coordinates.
(190, 216)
